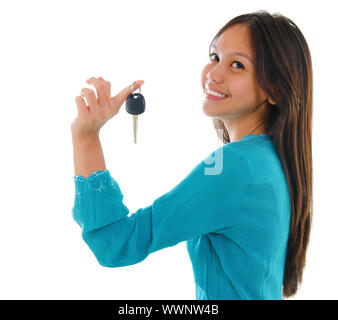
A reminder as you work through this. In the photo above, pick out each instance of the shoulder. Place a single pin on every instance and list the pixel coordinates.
(254, 147)
(227, 161)
(260, 154)
(242, 157)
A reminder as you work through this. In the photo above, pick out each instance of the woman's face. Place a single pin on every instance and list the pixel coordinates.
(233, 74)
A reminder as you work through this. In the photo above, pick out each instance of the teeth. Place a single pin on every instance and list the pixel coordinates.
(216, 93)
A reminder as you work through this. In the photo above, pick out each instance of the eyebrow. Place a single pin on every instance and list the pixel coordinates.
(235, 53)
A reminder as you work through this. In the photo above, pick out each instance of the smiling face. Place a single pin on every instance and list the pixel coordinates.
(231, 73)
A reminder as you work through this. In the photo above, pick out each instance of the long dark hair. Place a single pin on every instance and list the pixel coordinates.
(283, 68)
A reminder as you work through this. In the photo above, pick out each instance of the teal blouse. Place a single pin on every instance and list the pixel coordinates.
(232, 210)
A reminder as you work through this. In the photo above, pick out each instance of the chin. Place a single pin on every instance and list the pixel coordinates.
(210, 111)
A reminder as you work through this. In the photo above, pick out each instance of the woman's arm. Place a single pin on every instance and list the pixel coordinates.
(199, 204)
(88, 154)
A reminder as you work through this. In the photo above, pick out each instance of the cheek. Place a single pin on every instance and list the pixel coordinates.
(241, 87)
(204, 75)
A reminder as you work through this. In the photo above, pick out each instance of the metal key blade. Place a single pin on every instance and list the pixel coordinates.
(135, 126)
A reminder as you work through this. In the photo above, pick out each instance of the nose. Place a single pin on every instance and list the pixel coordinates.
(215, 75)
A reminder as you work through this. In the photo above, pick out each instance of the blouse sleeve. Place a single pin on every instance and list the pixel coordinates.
(206, 200)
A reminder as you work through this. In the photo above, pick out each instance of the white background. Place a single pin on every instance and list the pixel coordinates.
(48, 50)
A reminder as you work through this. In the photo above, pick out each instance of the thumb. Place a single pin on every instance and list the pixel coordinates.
(122, 95)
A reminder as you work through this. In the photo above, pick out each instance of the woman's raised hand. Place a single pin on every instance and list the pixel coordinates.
(100, 108)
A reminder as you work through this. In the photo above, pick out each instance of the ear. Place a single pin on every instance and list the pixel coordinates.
(277, 95)
(271, 101)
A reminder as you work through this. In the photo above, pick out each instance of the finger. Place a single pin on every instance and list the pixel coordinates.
(107, 85)
(91, 98)
(81, 104)
(136, 85)
(108, 88)
(101, 89)
(122, 95)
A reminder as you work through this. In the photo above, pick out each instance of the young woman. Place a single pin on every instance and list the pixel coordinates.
(247, 224)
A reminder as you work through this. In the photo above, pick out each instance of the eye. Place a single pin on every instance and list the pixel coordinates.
(239, 64)
(214, 54)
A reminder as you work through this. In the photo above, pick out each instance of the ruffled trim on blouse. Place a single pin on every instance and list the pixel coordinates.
(99, 181)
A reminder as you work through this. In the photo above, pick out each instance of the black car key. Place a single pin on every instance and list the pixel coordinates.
(135, 105)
